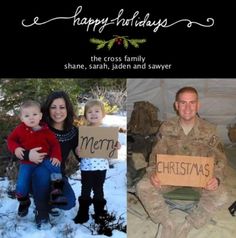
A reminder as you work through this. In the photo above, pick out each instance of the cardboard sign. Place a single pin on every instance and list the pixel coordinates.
(98, 142)
(179, 170)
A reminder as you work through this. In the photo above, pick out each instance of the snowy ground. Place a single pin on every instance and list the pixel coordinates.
(13, 226)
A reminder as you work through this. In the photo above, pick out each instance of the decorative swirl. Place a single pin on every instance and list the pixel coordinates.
(190, 23)
(29, 25)
(35, 22)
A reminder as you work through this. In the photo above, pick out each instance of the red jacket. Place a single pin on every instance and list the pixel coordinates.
(23, 136)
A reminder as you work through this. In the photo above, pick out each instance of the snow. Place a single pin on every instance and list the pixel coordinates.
(13, 226)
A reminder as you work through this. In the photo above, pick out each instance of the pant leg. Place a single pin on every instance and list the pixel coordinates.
(98, 182)
(41, 188)
(51, 168)
(68, 192)
(152, 200)
(87, 184)
(210, 202)
(24, 179)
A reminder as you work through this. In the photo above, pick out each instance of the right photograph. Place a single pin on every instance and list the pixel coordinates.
(181, 157)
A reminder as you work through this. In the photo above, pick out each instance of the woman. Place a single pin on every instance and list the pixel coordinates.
(58, 114)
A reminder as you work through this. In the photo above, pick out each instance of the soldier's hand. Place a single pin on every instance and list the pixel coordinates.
(212, 184)
(155, 180)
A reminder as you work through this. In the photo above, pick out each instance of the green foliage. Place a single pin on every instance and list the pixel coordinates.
(109, 109)
(125, 43)
(119, 40)
(136, 42)
(7, 123)
(100, 43)
(111, 43)
(114, 83)
(15, 91)
(96, 41)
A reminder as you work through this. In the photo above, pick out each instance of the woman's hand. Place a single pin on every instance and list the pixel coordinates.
(77, 151)
(212, 184)
(35, 156)
(19, 153)
(55, 162)
(155, 180)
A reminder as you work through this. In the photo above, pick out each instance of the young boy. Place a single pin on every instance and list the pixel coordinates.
(29, 134)
(93, 170)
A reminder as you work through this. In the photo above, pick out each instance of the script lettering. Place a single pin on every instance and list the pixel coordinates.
(89, 143)
(136, 20)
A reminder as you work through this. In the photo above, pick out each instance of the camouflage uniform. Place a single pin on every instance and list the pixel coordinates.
(200, 141)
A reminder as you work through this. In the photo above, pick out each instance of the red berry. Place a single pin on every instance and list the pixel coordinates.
(119, 41)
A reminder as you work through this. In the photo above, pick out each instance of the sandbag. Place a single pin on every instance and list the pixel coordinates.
(232, 133)
(144, 119)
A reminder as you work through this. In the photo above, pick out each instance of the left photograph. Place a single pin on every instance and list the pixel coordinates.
(63, 157)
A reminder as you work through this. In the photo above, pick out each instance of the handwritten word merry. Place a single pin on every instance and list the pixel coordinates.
(89, 143)
(134, 21)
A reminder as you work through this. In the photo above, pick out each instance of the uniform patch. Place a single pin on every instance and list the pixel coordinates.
(213, 141)
(220, 147)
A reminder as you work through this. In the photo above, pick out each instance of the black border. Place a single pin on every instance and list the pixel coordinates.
(191, 52)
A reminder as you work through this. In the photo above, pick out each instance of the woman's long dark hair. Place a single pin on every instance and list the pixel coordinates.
(68, 123)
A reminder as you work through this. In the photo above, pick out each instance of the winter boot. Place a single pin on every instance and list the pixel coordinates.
(56, 195)
(100, 213)
(83, 213)
(102, 218)
(41, 217)
(24, 206)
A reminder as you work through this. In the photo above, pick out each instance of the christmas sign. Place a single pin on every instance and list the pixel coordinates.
(98, 142)
(179, 170)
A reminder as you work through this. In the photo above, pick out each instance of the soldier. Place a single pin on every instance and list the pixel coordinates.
(186, 134)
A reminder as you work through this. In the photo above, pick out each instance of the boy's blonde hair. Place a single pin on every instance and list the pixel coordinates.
(29, 103)
(94, 102)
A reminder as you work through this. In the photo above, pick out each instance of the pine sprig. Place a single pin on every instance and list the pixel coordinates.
(125, 43)
(111, 43)
(136, 42)
(119, 40)
(96, 41)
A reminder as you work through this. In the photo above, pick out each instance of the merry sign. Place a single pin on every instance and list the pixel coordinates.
(98, 142)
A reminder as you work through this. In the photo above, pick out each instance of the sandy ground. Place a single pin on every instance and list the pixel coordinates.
(224, 225)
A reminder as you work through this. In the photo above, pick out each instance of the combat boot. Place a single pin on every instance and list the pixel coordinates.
(83, 213)
(56, 194)
(24, 206)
